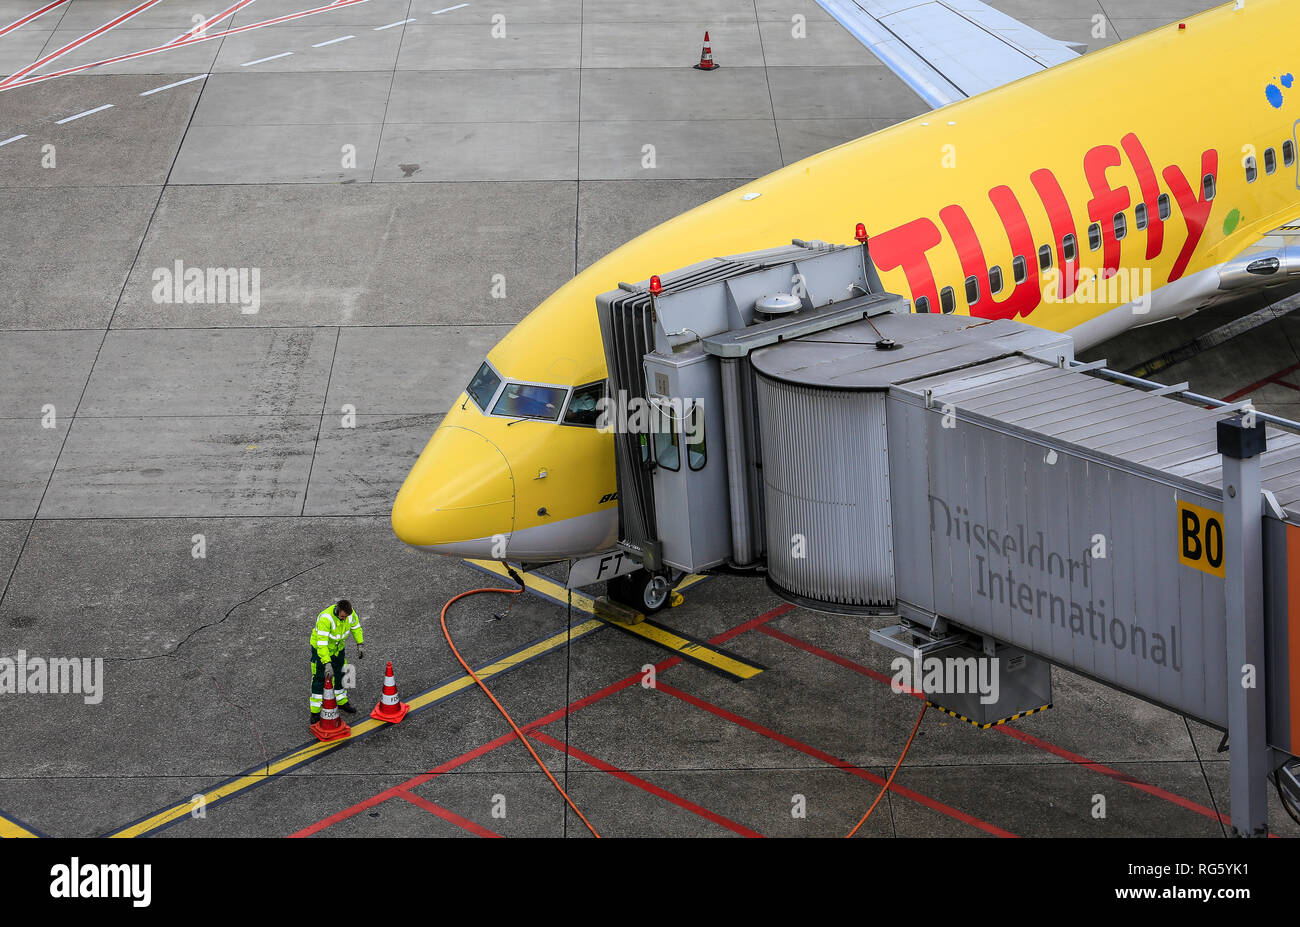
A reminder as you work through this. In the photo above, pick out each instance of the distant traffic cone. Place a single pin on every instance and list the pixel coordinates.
(330, 727)
(706, 57)
(389, 708)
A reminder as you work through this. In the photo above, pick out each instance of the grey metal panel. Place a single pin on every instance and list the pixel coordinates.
(909, 505)
(826, 478)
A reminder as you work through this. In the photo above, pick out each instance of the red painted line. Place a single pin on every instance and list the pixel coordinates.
(1016, 733)
(1233, 397)
(30, 16)
(596, 763)
(464, 823)
(224, 14)
(77, 43)
(833, 761)
(11, 84)
(1286, 384)
(506, 738)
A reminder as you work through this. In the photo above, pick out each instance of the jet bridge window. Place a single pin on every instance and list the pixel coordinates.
(1044, 257)
(667, 450)
(947, 300)
(1288, 152)
(1251, 170)
(1094, 236)
(1270, 161)
(995, 280)
(697, 452)
(1162, 207)
(584, 405)
(484, 386)
(972, 290)
(525, 400)
(1140, 216)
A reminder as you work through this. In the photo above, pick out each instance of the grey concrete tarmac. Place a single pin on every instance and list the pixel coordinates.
(377, 174)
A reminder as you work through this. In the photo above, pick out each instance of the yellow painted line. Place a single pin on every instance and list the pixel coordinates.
(696, 651)
(311, 751)
(10, 829)
(541, 585)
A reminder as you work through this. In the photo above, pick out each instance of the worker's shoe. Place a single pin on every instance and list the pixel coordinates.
(315, 718)
(349, 708)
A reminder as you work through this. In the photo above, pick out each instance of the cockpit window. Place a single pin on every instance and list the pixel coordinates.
(484, 385)
(584, 407)
(523, 400)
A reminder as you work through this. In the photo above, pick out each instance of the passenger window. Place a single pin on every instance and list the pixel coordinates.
(1044, 257)
(1270, 160)
(923, 304)
(1070, 246)
(1121, 226)
(995, 280)
(1207, 186)
(1288, 152)
(1251, 170)
(947, 300)
(1094, 237)
(972, 290)
(484, 386)
(584, 406)
(1140, 216)
(1019, 270)
(523, 400)
(697, 453)
(1162, 207)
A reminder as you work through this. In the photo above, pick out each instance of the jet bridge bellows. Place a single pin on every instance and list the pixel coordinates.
(969, 478)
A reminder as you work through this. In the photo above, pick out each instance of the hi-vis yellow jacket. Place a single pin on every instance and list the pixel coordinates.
(327, 637)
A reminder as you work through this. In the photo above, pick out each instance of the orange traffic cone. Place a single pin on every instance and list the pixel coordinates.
(330, 727)
(706, 57)
(389, 708)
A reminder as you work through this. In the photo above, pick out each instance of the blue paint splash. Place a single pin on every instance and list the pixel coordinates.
(1274, 95)
(1287, 80)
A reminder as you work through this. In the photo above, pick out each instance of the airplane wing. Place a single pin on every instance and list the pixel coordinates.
(947, 50)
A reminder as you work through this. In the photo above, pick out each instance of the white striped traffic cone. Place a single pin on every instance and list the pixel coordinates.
(330, 726)
(389, 708)
(706, 57)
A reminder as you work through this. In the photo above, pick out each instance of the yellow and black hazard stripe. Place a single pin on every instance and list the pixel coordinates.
(985, 727)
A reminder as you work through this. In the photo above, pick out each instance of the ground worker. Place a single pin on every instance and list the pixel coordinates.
(332, 626)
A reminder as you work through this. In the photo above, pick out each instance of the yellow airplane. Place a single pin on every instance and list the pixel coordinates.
(1087, 195)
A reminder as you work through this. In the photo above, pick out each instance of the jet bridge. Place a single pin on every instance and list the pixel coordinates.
(969, 480)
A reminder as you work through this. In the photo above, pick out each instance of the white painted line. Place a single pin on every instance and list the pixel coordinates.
(391, 25)
(333, 41)
(188, 80)
(89, 112)
(272, 58)
(450, 8)
(14, 139)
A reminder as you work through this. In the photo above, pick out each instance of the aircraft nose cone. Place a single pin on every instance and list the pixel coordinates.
(458, 496)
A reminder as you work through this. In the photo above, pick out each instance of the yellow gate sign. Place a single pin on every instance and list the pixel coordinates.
(1200, 538)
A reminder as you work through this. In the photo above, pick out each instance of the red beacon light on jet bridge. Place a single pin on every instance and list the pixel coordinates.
(656, 287)
(860, 233)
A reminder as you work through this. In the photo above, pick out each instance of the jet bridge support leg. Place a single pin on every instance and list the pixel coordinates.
(1244, 587)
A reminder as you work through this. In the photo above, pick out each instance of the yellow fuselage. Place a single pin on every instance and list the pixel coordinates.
(945, 196)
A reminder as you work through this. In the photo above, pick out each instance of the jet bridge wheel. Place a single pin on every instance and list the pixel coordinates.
(645, 591)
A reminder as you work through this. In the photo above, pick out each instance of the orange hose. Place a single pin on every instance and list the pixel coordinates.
(890, 780)
(505, 714)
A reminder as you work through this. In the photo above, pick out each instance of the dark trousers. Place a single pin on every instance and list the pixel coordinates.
(318, 679)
